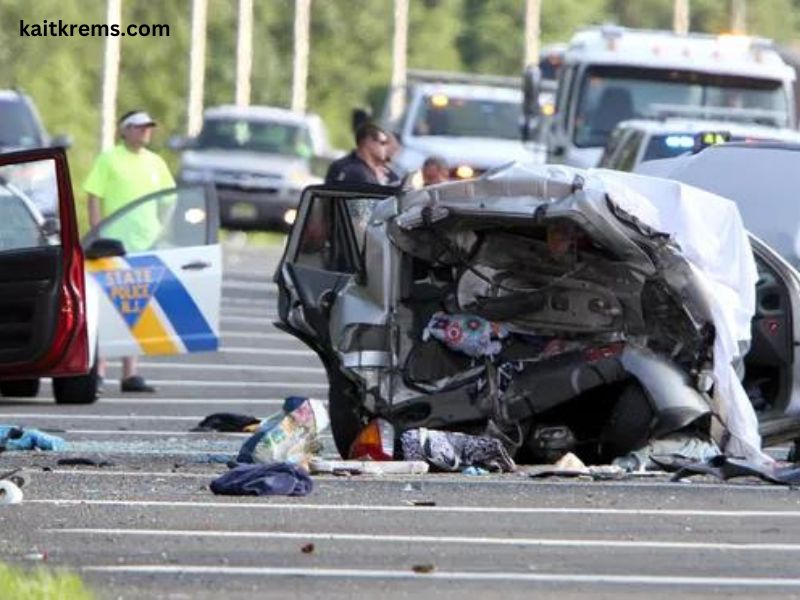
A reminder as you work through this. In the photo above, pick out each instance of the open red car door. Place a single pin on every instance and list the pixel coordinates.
(42, 308)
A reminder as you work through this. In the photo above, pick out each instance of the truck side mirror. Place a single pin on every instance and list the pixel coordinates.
(531, 86)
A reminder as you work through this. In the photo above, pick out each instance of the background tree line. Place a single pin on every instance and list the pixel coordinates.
(350, 60)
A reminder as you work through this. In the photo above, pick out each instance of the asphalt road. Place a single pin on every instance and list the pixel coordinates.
(148, 527)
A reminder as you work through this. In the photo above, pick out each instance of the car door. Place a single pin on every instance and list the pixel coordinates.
(42, 302)
(323, 253)
(158, 267)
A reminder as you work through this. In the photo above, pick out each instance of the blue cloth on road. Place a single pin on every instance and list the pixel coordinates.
(19, 438)
(272, 479)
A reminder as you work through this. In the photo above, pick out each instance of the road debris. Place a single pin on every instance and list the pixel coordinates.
(452, 451)
(689, 446)
(308, 549)
(725, 467)
(276, 479)
(291, 435)
(10, 493)
(20, 438)
(228, 422)
(80, 461)
(474, 471)
(368, 467)
(420, 502)
(423, 568)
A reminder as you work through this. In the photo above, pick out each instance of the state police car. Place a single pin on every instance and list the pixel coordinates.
(638, 140)
(150, 292)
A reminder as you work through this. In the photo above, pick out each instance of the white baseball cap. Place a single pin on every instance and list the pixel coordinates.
(137, 118)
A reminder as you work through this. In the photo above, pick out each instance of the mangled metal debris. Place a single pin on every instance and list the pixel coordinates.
(549, 309)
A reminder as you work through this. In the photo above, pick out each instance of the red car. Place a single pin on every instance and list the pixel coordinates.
(42, 291)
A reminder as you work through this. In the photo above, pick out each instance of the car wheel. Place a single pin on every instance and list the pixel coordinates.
(20, 388)
(345, 413)
(80, 389)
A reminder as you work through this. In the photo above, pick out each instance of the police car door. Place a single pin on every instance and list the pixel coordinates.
(158, 266)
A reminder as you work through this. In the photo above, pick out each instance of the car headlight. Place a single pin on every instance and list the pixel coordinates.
(192, 175)
(464, 172)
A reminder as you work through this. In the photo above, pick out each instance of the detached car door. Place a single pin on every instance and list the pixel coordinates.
(157, 266)
(323, 253)
(42, 303)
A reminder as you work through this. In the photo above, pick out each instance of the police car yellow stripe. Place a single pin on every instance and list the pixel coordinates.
(151, 334)
(137, 284)
(103, 264)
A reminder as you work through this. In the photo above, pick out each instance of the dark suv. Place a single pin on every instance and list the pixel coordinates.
(21, 128)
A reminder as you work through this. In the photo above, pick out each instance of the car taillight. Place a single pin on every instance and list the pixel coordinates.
(374, 442)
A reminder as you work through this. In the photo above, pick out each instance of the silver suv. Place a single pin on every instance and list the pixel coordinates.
(533, 297)
(259, 158)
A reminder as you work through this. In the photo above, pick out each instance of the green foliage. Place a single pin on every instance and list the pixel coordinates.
(41, 584)
(350, 60)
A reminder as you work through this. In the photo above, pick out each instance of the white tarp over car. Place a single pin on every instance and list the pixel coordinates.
(713, 239)
(756, 177)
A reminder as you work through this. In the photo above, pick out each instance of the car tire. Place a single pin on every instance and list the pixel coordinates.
(79, 389)
(345, 413)
(20, 388)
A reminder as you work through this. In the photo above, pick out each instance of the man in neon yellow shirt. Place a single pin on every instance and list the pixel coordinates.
(119, 176)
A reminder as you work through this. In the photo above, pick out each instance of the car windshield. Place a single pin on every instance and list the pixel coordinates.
(440, 114)
(612, 94)
(17, 125)
(255, 136)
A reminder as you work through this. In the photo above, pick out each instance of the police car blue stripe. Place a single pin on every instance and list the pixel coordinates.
(179, 307)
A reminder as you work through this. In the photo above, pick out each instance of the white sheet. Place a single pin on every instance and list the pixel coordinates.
(713, 239)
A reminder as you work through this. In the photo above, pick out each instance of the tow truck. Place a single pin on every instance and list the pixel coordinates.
(611, 74)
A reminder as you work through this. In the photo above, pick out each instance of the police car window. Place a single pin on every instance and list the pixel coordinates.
(324, 241)
(28, 205)
(175, 218)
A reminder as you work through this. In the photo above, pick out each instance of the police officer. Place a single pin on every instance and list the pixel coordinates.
(365, 164)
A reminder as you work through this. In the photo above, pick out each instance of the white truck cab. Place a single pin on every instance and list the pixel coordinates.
(612, 74)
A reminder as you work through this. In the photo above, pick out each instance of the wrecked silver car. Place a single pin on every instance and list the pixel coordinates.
(539, 305)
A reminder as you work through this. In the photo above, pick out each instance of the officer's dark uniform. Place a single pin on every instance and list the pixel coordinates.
(351, 169)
